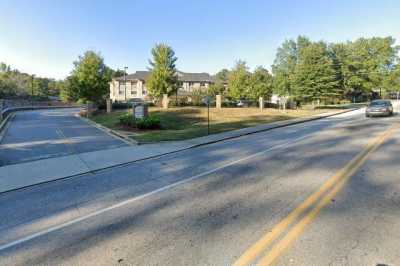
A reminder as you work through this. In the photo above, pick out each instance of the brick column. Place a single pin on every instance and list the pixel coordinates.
(218, 101)
(109, 105)
(261, 103)
(165, 101)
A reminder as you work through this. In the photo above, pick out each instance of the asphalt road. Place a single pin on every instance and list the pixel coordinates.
(34, 135)
(211, 205)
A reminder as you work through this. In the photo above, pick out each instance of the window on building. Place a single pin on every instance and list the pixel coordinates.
(134, 88)
(189, 86)
(121, 89)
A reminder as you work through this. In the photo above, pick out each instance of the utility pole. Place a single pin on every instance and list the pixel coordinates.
(125, 68)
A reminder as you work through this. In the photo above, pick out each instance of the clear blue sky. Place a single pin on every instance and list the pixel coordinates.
(45, 36)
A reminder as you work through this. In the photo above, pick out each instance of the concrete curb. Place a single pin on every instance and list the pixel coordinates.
(109, 131)
(94, 161)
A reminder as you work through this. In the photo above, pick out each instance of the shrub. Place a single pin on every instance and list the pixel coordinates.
(181, 101)
(127, 120)
(150, 122)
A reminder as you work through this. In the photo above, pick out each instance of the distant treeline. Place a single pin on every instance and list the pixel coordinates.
(14, 83)
(304, 70)
(308, 71)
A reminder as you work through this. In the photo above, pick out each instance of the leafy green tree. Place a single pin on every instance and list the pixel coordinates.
(220, 82)
(283, 67)
(90, 78)
(69, 89)
(41, 87)
(260, 84)
(117, 73)
(392, 81)
(338, 52)
(366, 64)
(54, 87)
(17, 84)
(285, 64)
(315, 78)
(4, 68)
(239, 81)
(13, 82)
(163, 78)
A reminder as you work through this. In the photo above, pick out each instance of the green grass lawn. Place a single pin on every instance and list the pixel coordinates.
(190, 122)
(108, 120)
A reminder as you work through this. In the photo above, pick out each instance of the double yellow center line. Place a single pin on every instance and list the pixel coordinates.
(314, 204)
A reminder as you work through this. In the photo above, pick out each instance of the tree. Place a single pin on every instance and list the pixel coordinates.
(238, 82)
(315, 78)
(13, 82)
(163, 78)
(41, 87)
(90, 78)
(392, 81)
(69, 89)
(117, 73)
(366, 63)
(261, 84)
(285, 63)
(4, 68)
(54, 87)
(220, 82)
(337, 53)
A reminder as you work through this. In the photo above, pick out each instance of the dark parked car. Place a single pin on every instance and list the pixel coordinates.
(379, 108)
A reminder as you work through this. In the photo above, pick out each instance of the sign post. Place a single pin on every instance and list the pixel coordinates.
(140, 110)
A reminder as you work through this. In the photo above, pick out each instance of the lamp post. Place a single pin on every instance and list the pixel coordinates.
(125, 68)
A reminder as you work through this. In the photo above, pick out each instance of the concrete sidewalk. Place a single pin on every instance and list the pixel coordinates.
(23, 175)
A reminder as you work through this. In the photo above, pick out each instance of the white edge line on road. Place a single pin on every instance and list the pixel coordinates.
(137, 198)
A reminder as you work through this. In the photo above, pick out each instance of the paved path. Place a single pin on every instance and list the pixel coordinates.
(34, 135)
(209, 205)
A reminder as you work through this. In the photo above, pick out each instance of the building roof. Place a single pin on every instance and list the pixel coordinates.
(141, 75)
(182, 76)
(193, 77)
